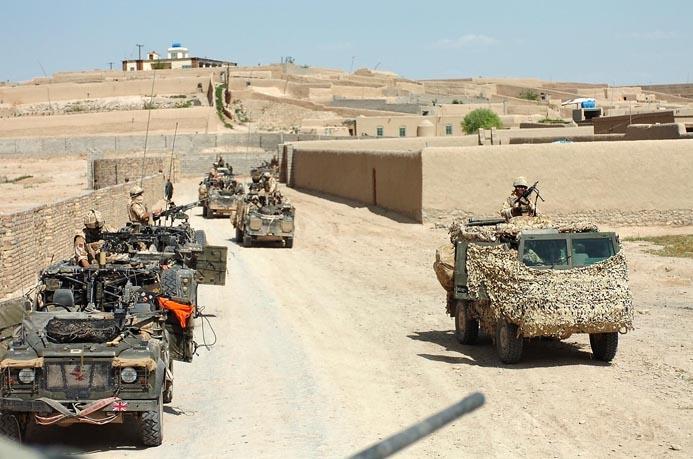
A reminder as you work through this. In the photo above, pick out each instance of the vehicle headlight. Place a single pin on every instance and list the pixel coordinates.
(26, 375)
(128, 375)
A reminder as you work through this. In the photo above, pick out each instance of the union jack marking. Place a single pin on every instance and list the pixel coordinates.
(120, 406)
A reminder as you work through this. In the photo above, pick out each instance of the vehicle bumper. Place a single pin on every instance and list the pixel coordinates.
(18, 405)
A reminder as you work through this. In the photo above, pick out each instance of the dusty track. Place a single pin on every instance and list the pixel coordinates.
(342, 340)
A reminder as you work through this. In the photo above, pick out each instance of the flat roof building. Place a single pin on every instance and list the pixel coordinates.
(178, 58)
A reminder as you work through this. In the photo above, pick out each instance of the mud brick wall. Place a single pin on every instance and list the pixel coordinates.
(114, 171)
(31, 239)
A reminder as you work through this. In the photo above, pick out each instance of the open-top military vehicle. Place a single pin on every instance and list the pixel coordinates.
(530, 278)
(170, 232)
(264, 218)
(97, 344)
(219, 193)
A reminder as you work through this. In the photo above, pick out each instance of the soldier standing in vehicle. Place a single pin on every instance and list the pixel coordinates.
(137, 209)
(268, 179)
(516, 205)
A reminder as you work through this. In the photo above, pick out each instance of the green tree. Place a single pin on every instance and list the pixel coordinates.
(481, 118)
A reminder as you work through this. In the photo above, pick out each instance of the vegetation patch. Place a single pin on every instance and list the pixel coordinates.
(219, 99)
(481, 118)
(529, 94)
(680, 246)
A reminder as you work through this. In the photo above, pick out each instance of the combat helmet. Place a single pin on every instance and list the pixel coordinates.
(93, 219)
(136, 191)
(520, 181)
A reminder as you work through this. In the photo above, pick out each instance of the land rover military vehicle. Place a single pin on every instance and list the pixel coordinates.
(218, 193)
(265, 218)
(97, 344)
(530, 278)
(170, 232)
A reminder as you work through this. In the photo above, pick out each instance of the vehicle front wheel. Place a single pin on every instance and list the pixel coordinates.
(466, 328)
(12, 427)
(604, 345)
(508, 342)
(289, 242)
(152, 426)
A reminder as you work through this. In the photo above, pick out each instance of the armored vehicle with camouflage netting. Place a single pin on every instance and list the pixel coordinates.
(531, 278)
(265, 218)
(96, 345)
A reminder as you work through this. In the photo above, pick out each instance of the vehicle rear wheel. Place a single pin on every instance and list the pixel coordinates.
(201, 238)
(239, 235)
(151, 425)
(12, 427)
(508, 343)
(168, 386)
(466, 328)
(604, 345)
(247, 240)
(288, 242)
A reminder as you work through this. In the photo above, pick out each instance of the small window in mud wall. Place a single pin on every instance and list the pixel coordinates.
(379, 131)
(402, 131)
(448, 129)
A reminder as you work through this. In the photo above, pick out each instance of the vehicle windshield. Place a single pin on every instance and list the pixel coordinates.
(545, 252)
(590, 251)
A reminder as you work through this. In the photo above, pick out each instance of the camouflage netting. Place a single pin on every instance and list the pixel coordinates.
(588, 299)
(458, 230)
(542, 302)
(81, 330)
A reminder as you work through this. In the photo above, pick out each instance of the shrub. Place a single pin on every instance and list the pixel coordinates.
(481, 118)
(529, 95)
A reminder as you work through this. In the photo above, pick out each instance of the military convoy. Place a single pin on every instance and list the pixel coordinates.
(530, 278)
(96, 345)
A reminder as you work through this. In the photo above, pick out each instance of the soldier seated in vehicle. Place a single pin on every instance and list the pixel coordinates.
(82, 255)
(516, 205)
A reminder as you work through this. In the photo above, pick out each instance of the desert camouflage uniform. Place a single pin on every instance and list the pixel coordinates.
(524, 207)
(137, 211)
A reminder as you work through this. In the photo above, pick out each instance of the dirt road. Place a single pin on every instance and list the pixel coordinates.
(343, 340)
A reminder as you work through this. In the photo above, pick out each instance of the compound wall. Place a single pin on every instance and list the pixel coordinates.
(639, 183)
(388, 179)
(113, 171)
(30, 239)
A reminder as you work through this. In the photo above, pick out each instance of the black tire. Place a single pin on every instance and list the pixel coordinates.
(466, 328)
(508, 343)
(11, 427)
(247, 240)
(201, 238)
(151, 425)
(204, 211)
(239, 236)
(168, 389)
(289, 242)
(604, 345)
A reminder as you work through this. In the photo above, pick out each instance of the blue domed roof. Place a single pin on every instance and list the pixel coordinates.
(176, 45)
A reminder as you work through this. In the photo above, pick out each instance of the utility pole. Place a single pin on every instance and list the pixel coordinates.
(110, 64)
(139, 52)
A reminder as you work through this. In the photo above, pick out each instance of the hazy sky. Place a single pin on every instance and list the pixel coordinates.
(616, 42)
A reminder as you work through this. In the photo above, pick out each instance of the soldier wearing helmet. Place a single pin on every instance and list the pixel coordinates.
(137, 209)
(269, 183)
(88, 244)
(515, 205)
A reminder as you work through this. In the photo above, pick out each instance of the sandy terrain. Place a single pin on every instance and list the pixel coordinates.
(327, 347)
(51, 180)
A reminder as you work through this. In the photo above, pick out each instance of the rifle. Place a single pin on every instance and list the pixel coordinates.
(125, 241)
(528, 192)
